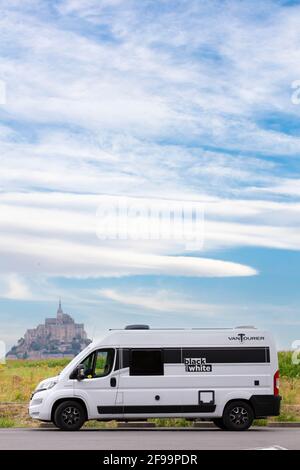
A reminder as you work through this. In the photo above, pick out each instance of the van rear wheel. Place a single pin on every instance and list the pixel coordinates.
(69, 416)
(238, 416)
(219, 423)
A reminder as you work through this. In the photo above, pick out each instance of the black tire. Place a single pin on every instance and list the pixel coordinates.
(219, 423)
(69, 416)
(238, 416)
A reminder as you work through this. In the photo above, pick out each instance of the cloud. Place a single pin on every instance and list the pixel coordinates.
(283, 186)
(73, 218)
(15, 288)
(104, 100)
(56, 257)
(156, 78)
(161, 301)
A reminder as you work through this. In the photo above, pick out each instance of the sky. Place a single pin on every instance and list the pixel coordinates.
(154, 106)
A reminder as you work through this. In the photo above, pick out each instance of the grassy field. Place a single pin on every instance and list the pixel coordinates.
(18, 378)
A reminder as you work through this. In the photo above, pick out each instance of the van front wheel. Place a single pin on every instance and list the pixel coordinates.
(238, 416)
(69, 416)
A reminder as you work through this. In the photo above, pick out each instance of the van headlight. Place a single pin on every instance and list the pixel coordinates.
(45, 385)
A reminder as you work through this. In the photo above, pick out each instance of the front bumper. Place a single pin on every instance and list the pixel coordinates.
(39, 405)
(35, 408)
(265, 405)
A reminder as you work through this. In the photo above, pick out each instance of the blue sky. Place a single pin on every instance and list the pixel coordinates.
(163, 103)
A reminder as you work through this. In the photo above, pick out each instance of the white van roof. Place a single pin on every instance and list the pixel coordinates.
(166, 337)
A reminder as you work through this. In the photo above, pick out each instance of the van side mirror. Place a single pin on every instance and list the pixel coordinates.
(80, 372)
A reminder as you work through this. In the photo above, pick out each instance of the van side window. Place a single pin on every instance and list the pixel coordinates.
(146, 362)
(98, 364)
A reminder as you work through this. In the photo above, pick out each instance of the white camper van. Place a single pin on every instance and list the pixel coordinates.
(229, 376)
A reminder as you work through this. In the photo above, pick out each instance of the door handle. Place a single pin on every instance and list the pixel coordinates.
(113, 382)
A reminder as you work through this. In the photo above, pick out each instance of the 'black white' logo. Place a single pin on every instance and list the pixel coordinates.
(197, 364)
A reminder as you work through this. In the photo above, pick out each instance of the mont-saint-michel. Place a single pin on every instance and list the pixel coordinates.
(56, 337)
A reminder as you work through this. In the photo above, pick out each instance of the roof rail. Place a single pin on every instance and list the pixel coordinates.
(147, 327)
(246, 327)
(137, 327)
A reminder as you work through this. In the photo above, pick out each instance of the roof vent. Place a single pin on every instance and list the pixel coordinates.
(137, 327)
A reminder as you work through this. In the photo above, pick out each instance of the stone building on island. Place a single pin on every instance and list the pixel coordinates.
(57, 337)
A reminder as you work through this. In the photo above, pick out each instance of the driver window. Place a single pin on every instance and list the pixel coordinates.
(104, 362)
(88, 365)
(99, 363)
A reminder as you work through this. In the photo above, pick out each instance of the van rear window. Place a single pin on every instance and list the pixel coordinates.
(146, 362)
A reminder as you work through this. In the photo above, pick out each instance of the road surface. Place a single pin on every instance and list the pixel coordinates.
(149, 439)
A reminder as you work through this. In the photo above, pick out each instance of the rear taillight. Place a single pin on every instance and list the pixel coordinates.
(276, 383)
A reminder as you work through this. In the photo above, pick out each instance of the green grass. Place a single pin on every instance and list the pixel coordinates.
(260, 422)
(286, 366)
(94, 424)
(40, 363)
(285, 417)
(170, 422)
(6, 422)
(18, 378)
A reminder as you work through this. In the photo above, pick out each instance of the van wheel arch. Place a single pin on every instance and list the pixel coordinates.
(61, 400)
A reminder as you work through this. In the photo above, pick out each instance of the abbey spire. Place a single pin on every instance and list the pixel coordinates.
(60, 312)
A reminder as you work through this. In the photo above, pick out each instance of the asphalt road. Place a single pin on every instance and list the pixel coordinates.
(149, 439)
